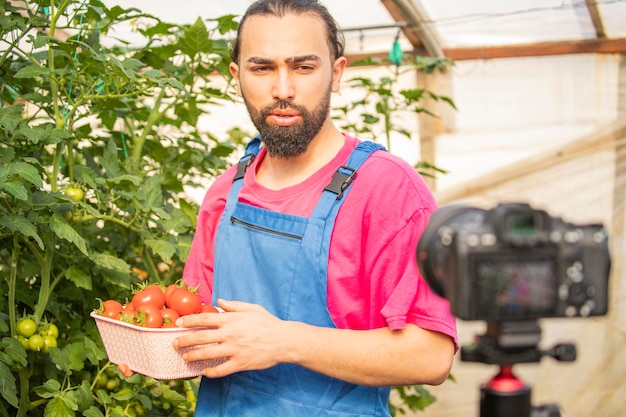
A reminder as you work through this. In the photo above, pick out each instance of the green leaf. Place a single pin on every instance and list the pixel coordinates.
(184, 246)
(14, 351)
(24, 171)
(93, 352)
(70, 357)
(110, 262)
(150, 195)
(196, 39)
(49, 389)
(93, 412)
(79, 277)
(63, 230)
(7, 385)
(133, 179)
(124, 394)
(16, 189)
(162, 248)
(62, 406)
(84, 396)
(11, 117)
(31, 71)
(20, 224)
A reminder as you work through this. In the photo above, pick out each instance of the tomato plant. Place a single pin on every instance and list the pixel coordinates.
(93, 189)
(122, 123)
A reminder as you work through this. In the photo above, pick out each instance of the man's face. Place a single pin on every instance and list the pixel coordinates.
(286, 76)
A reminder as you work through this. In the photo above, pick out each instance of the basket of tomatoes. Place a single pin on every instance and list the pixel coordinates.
(141, 332)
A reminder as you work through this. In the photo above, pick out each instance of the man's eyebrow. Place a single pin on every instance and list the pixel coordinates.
(303, 58)
(295, 59)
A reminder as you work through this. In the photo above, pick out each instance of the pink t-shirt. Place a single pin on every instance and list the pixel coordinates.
(373, 278)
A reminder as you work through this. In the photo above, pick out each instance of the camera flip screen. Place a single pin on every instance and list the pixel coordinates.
(509, 289)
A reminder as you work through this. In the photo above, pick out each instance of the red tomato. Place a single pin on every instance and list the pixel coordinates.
(208, 308)
(149, 316)
(128, 313)
(152, 294)
(168, 293)
(169, 315)
(111, 309)
(185, 302)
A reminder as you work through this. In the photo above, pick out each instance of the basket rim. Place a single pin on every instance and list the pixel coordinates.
(94, 314)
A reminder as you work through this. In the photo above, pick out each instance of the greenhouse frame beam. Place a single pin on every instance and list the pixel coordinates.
(421, 35)
(596, 18)
(591, 46)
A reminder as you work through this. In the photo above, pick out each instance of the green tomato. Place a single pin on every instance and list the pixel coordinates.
(102, 380)
(75, 192)
(22, 340)
(52, 330)
(112, 384)
(36, 343)
(26, 327)
(48, 342)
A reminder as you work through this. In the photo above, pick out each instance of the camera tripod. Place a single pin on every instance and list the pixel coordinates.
(506, 344)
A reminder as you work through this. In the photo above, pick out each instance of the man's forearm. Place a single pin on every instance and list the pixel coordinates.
(380, 357)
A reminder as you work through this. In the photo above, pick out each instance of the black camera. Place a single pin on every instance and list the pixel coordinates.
(514, 263)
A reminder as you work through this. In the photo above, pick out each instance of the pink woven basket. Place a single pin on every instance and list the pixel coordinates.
(149, 351)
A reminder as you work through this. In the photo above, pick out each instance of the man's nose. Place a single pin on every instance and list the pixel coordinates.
(283, 85)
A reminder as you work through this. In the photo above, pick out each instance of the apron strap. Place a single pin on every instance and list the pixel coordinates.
(333, 194)
(252, 149)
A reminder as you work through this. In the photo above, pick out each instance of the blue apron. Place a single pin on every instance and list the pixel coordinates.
(280, 261)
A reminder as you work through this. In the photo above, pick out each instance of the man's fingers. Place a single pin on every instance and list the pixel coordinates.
(234, 306)
(125, 370)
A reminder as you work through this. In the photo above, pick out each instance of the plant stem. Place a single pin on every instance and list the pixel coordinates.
(12, 285)
(44, 290)
(141, 139)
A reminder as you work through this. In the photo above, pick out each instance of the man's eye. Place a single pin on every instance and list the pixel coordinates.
(305, 68)
(261, 69)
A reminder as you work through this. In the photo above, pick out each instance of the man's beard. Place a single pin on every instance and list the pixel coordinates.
(289, 141)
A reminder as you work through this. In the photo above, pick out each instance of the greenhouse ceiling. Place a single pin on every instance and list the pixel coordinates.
(457, 29)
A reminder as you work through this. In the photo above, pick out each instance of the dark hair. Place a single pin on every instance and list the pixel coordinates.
(281, 8)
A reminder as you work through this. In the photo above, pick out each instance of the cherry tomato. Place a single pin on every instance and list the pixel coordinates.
(128, 313)
(22, 340)
(26, 327)
(48, 342)
(167, 293)
(36, 343)
(185, 302)
(169, 315)
(75, 192)
(111, 309)
(112, 383)
(152, 294)
(150, 316)
(52, 330)
(208, 308)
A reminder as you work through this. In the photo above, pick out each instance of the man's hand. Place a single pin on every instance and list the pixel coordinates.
(253, 339)
(247, 334)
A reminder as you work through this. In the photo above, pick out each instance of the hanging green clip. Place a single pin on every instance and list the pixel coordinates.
(395, 55)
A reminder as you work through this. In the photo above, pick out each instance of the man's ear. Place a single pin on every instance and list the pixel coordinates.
(339, 67)
(234, 71)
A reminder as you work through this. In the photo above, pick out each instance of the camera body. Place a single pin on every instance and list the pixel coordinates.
(514, 263)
